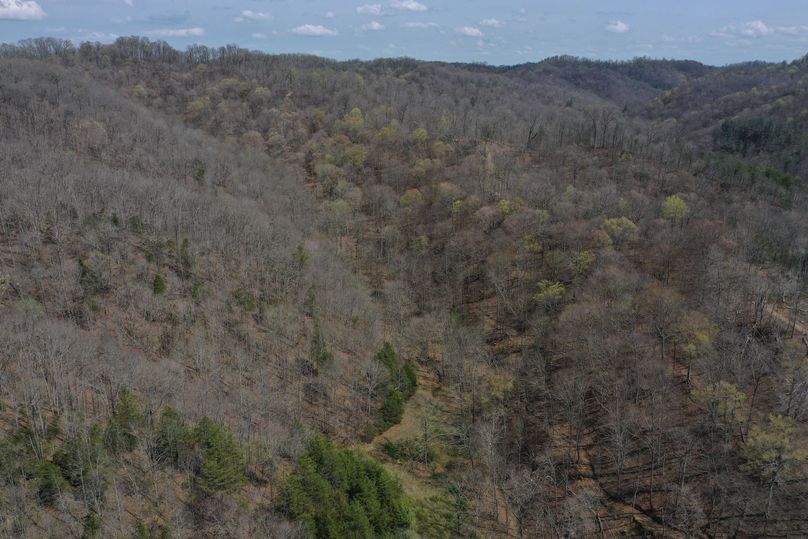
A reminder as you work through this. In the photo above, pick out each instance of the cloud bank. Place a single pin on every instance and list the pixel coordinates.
(758, 28)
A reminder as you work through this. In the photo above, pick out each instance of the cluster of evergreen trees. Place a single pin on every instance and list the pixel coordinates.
(340, 493)
(401, 385)
(207, 450)
(86, 461)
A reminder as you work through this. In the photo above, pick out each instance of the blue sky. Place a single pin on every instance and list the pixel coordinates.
(496, 32)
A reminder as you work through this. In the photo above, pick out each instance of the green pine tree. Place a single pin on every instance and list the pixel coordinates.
(319, 353)
(221, 466)
(122, 428)
(159, 284)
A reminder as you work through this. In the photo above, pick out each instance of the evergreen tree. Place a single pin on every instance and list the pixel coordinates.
(50, 483)
(121, 434)
(91, 525)
(170, 444)
(401, 385)
(319, 353)
(159, 284)
(221, 462)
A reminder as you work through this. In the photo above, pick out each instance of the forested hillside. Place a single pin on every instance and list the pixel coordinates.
(251, 295)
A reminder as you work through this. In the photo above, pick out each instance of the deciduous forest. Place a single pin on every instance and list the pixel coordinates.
(254, 295)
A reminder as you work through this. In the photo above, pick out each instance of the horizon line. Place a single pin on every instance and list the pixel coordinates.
(482, 63)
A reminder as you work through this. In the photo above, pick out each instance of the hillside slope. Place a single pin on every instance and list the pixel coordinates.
(593, 273)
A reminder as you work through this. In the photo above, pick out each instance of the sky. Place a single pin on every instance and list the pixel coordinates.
(498, 32)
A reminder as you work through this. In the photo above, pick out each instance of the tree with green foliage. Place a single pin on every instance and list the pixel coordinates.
(159, 284)
(409, 380)
(245, 299)
(550, 293)
(340, 493)
(353, 123)
(772, 454)
(50, 483)
(85, 464)
(220, 458)
(582, 262)
(392, 411)
(300, 258)
(722, 401)
(401, 385)
(208, 451)
(355, 155)
(310, 303)
(619, 229)
(170, 444)
(419, 136)
(91, 281)
(387, 356)
(91, 525)
(121, 434)
(675, 210)
(186, 258)
(142, 532)
(318, 351)
(139, 92)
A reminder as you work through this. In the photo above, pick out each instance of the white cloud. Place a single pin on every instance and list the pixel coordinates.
(493, 23)
(407, 5)
(313, 30)
(330, 15)
(253, 16)
(258, 35)
(420, 25)
(129, 3)
(177, 32)
(373, 26)
(369, 9)
(469, 31)
(20, 10)
(618, 27)
(757, 28)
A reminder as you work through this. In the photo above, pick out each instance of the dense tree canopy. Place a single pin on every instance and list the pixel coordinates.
(254, 295)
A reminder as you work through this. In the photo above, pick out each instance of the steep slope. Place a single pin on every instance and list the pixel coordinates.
(140, 255)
